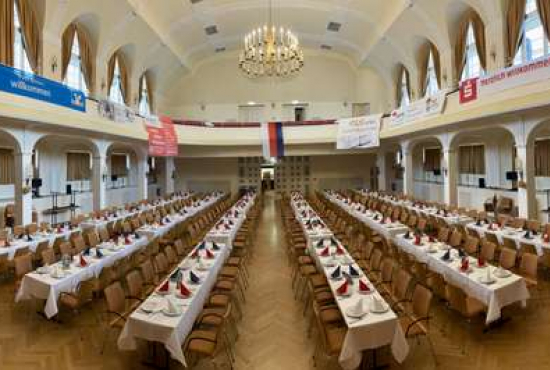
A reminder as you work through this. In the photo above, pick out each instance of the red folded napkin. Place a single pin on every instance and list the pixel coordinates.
(83, 262)
(363, 287)
(342, 289)
(184, 291)
(127, 240)
(325, 252)
(339, 250)
(432, 239)
(195, 253)
(546, 238)
(465, 264)
(480, 261)
(165, 287)
(209, 254)
(417, 240)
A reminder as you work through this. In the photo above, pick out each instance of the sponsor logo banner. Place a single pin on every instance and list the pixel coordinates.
(423, 108)
(163, 139)
(15, 81)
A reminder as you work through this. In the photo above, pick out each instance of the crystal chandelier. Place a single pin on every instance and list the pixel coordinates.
(271, 51)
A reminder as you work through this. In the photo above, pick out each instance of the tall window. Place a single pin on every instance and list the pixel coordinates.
(472, 67)
(405, 97)
(20, 58)
(534, 41)
(75, 77)
(115, 94)
(144, 105)
(432, 87)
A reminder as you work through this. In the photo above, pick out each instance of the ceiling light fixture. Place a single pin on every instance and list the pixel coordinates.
(271, 51)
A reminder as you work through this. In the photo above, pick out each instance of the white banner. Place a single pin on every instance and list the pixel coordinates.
(423, 108)
(359, 132)
(115, 112)
(506, 79)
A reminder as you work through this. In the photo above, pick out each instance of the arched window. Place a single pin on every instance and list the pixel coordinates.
(20, 57)
(115, 93)
(144, 103)
(75, 76)
(405, 92)
(534, 42)
(432, 86)
(472, 67)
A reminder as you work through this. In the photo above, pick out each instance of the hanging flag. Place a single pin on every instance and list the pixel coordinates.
(272, 140)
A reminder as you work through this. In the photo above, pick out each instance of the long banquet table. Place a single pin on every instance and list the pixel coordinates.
(45, 286)
(172, 331)
(449, 218)
(503, 292)
(373, 330)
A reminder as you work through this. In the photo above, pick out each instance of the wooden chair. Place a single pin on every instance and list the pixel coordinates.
(488, 251)
(415, 318)
(462, 303)
(528, 268)
(23, 265)
(507, 258)
(48, 257)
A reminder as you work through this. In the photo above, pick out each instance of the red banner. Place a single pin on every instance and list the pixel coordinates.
(163, 140)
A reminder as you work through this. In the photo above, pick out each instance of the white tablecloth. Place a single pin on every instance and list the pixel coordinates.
(503, 292)
(172, 331)
(516, 234)
(41, 286)
(374, 330)
(17, 244)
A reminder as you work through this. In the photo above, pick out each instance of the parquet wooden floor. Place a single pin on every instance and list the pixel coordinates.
(273, 331)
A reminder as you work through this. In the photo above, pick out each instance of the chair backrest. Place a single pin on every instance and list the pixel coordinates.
(509, 243)
(488, 250)
(48, 257)
(456, 238)
(93, 238)
(443, 234)
(507, 258)
(528, 265)
(104, 234)
(386, 269)
(376, 259)
(421, 301)
(115, 298)
(65, 248)
(23, 265)
(171, 256)
(18, 230)
(471, 245)
(456, 298)
(401, 284)
(22, 252)
(135, 283)
(161, 263)
(147, 272)
(32, 228)
(180, 248)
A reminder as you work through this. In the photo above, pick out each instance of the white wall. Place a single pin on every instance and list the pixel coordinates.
(341, 171)
(329, 83)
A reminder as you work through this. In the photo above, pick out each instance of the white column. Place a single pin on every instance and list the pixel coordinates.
(526, 189)
(450, 176)
(99, 181)
(381, 166)
(23, 197)
(142, 183)
(169, 173)
(408, 178)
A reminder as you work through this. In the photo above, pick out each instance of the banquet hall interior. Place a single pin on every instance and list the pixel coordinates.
(274, 184)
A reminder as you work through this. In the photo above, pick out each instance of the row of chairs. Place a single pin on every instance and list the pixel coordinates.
(410, 299)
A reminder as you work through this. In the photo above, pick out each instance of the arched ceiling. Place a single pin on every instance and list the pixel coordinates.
(170, 38)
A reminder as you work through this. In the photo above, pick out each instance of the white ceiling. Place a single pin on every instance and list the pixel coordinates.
(168, 36)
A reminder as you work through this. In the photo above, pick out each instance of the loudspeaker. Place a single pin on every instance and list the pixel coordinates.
(437, 172)
(481, 183)
(69, 189)
(511, 176)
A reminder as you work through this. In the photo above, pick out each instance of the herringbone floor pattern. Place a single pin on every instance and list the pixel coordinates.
(273, 331)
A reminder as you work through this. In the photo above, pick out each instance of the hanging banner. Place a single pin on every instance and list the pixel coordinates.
(115, 112)
(163, 139)
(506, 79)
(273, 145)
(359, 132)
(423, 108)
(15, 81)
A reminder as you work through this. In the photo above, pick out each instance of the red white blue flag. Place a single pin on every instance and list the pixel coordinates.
(272, 140)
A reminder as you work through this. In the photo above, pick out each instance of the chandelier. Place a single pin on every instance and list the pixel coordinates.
(271, 51)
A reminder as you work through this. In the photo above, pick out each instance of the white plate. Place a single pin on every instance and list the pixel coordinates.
(373, 310)
(350, 312)
(165, 312)
(503, 274)
(483, 280)
(43, 270)
(149, 306)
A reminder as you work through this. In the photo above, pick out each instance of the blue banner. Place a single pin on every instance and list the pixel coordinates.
(17, 82)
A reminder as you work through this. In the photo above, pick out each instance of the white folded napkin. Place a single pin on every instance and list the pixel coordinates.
(377, 304)
(170, 306)
(358, 308)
